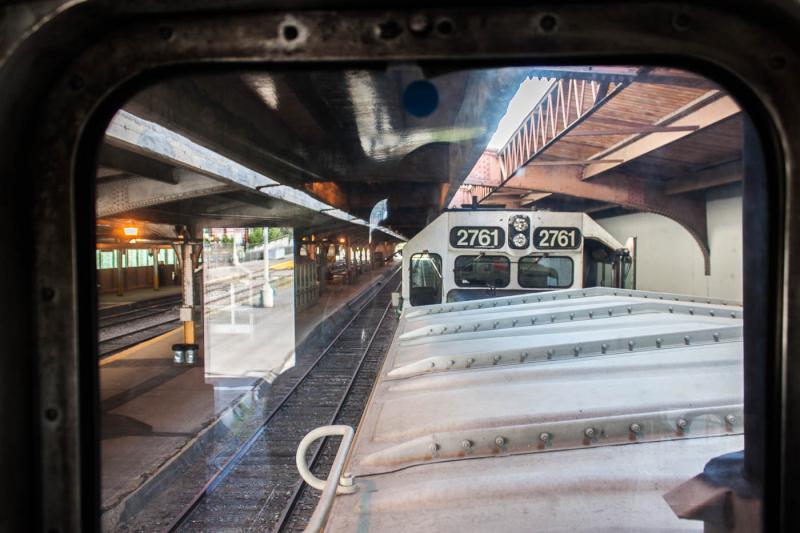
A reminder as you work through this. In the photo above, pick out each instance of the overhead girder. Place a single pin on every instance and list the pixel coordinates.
(622, 190)
(709, 109)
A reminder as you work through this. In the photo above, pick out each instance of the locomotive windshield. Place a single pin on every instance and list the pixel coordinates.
(545, 272)
(482, 271)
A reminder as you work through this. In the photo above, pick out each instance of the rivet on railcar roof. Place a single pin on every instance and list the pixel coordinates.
(513, 322)
(433, 364)
(658, 342)
(555, 297)
(671, 309)
(550, 354)
(687, 339)
(452, 363)
(458, 327)
(630, 310)
(730, 419)
(444, 329)
(572, 316)
(635, 428)
(610, 312)
(716, 337)
(545, 436)
(523, 356)
(476, 326)
(433, 447)
(480, 306)
(470, 361)
(584, 294)
(500, 441)
(569, 296)
(524, 300)
(682, 423)
(494, 326)
(733, 315)
(552, 318)
(591, 315)
(691, 311)
(604, 347)
(538, 298)
(577, 350)
(711, 313)
(533, 320)
(466, 444)
(631, 345)
(494, 304)
(589, 432)
(497, 358)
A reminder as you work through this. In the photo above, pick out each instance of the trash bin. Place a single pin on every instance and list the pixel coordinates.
(178, 353)
(191, 351)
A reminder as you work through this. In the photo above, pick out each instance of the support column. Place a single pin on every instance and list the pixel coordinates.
(347, 265)
(322, 257)
(156, 281)
(188, 293)
(267, 296)
(120, 272)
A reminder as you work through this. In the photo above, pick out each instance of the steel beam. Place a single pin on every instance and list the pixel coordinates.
(709, 109)
(621, 190)
(723, 174)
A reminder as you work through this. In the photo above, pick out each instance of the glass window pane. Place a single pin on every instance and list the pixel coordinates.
(426, 279)
(482, 271)
(546, 272)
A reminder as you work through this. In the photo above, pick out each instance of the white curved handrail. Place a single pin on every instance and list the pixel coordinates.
(336, 483)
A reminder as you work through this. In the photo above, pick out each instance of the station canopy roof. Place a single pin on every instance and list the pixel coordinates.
(319, 148)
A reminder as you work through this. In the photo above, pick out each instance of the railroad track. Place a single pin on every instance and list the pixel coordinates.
(258, 488)
(155, 319)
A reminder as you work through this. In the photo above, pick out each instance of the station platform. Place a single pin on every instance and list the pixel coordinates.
(157, 415)
(134, 296)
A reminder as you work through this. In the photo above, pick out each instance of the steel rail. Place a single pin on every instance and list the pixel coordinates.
(234, 459)
(134, 332)
(289, 508)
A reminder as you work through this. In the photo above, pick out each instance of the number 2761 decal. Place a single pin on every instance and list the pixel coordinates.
(477, 237)
(557, 238)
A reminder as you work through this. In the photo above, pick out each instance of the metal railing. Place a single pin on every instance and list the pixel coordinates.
(336, 483)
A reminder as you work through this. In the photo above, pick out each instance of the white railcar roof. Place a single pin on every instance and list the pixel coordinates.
(574, 412)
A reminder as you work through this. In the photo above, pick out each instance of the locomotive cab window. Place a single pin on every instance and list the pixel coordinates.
(426, 279)
(546, 272)
(482, 271)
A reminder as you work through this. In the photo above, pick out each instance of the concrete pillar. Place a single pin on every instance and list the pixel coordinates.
(267, 290)
(188, 294)
(347, 260)
(120, 272)
(156, 281)
(322, 258)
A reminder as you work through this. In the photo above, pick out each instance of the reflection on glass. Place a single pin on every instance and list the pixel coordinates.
(545, 272)
(248, 280)
(426, 279)
(482, 271)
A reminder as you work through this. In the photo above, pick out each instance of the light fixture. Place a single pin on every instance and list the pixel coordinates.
(130, 231)
(519, 231)
(519, 223)
(520, 240)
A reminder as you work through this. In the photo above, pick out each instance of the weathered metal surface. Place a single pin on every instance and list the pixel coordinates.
(566, 375)
(69, 87)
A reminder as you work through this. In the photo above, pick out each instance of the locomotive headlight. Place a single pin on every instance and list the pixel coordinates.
(519, 223)
(520, 240)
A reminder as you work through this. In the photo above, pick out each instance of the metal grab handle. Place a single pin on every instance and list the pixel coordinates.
(335, 484)
(345, 485)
